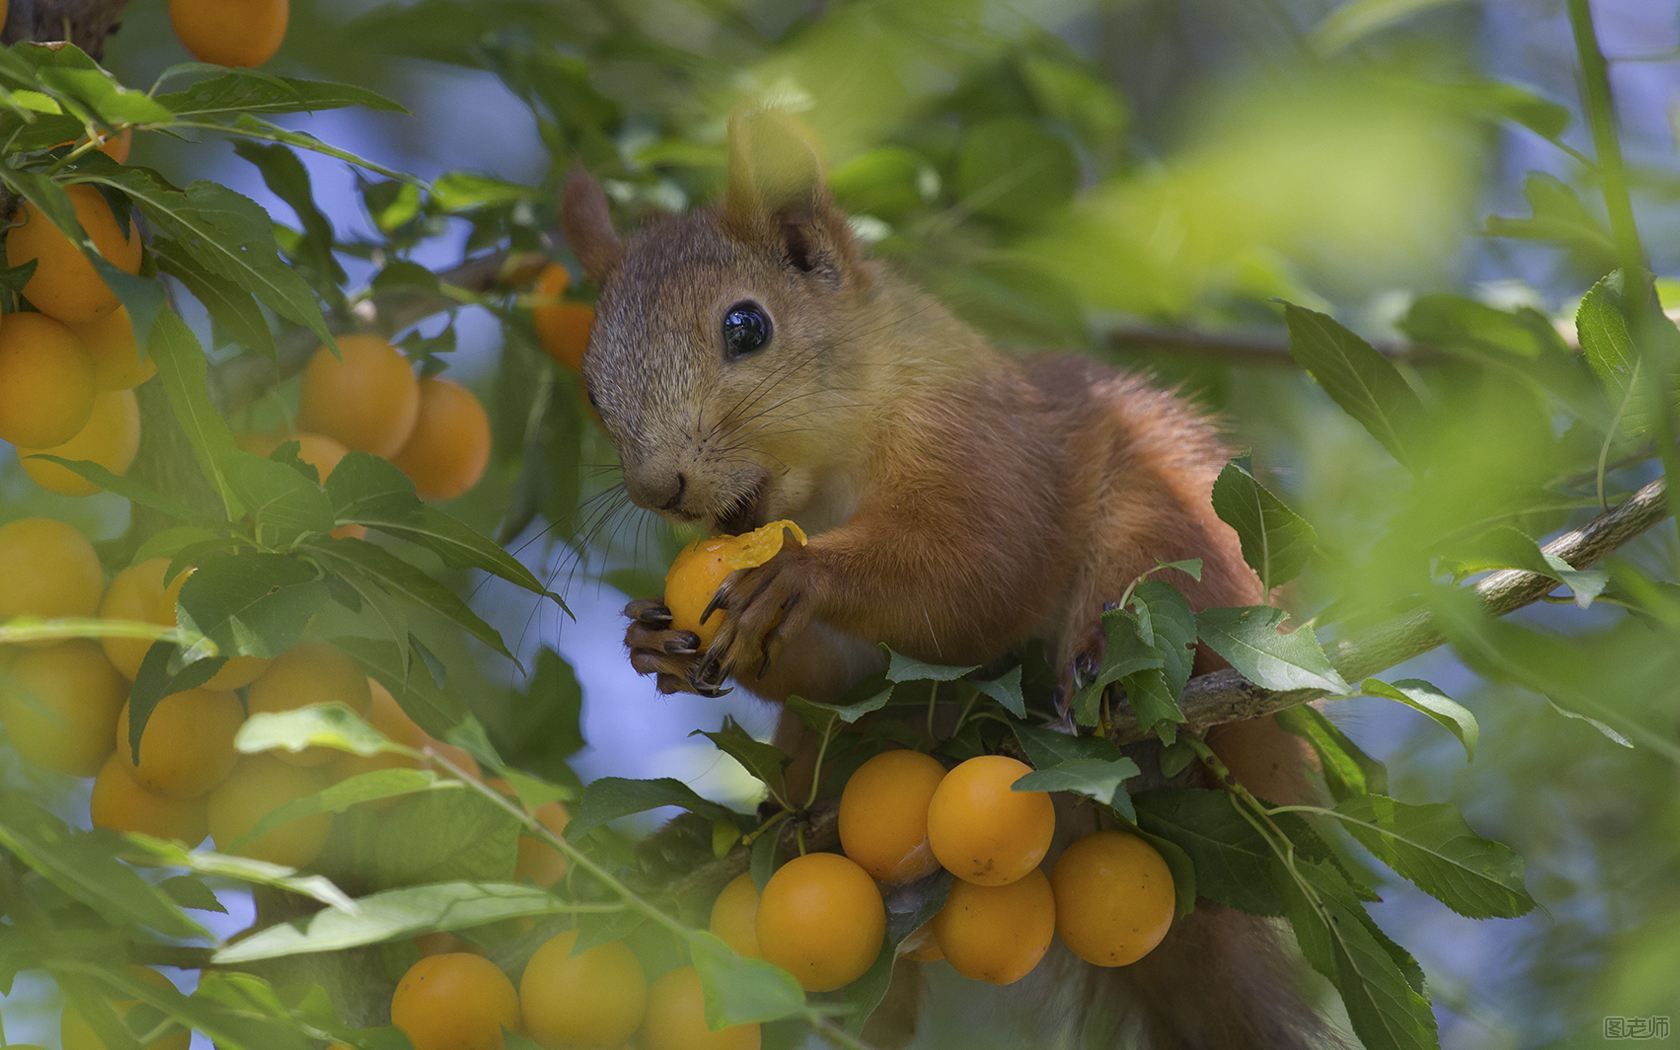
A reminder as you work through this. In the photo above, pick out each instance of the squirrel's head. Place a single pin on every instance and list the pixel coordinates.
(719, 357)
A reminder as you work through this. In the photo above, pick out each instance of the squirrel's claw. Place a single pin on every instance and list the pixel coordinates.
(670, 656)
(650, 612)
(762, 607)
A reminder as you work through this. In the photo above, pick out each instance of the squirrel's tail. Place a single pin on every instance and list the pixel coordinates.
(1220, 981)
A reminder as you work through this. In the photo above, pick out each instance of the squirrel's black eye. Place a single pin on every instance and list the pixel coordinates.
(746, 327)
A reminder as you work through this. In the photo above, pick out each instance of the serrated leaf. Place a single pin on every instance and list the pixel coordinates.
(1336, 938)
(126, 487)
(1365, 384)
(228, 233)
(1101, 779)
(1152, 701)
(85, 867)
(1006, 690)
(1431, 847)
(368, 490)
(877, 692)
(1424, 698)
(436, 836)
(1232, 859)
(1249, 640)
(1348, 770)
(437, 712)
(235, 317)
(1276, 542)
(402, 580)
(1167, 624)
(1125, 652)
(251, 604)
(609, 798)
(766, 762)
(392, 914)
(901, 668)
(1557, 215)
(184, 373)
(145, 850)
(237, 91)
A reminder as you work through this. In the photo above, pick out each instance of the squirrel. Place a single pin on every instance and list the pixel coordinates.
(751, 364)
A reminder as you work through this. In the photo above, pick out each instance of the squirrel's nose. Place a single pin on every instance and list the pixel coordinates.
(677, 493)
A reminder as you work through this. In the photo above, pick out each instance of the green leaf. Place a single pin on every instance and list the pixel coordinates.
(286, 177)
(239, 91)
(1365, 384)
(126, 487)
(1423, 697)
(191, 893)
(393, 914)
(740, 990)
(818, 715)
(1276, 542)
(160, 677)
(437, 712)
(1014, 171)
(68, 71)
(402, 580)
(610, 798)
(251, 604)
(1047, 747)
(461, 191)
(337, 798)
(766, 762)
(1006, 690)
(1125, 652)
(333, 726)
(901, 668)
(370, 491)
(1558, 216)
(1348, 771)
(228, 234)
(1166, 623)
(1232, 859)
(1337, 938)
(283, 504)
(1431, 847)
(537, 729)
(436, 836)
(1249, 640)
(236, 318)
(85, 867)
(148, 851)
(1095, 778)
(184, 373)
(1153, 702)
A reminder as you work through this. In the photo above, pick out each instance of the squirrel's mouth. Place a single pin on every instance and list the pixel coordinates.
(746, 511)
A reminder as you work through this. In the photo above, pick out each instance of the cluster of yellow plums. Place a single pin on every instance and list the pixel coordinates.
(902, 817)
(597, 997)
(64, 707)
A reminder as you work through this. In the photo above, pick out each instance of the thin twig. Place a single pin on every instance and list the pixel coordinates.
(1226, 696)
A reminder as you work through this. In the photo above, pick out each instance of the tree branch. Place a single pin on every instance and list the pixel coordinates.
(1225, 696)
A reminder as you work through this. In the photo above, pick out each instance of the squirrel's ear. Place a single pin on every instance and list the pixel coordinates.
(586, 221)
(776, 190)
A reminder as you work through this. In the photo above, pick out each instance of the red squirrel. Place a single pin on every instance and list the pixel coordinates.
(751, 363)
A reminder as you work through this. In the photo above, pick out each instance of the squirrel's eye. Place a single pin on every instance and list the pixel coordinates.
(746, 327)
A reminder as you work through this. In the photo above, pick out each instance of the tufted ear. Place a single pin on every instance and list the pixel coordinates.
(777, 194)
(586, 221)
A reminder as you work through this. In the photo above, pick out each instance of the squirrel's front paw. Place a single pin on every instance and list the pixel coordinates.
(657, 649)
(762, 608)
